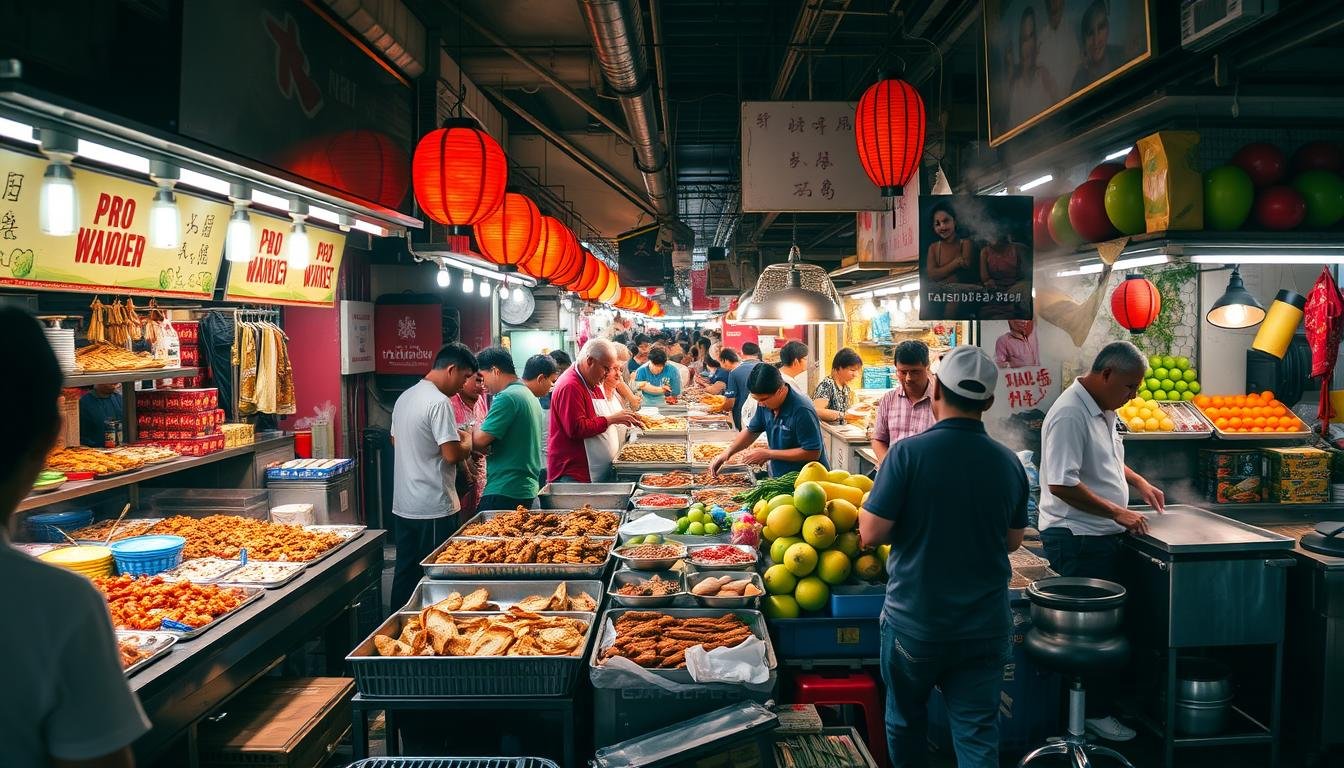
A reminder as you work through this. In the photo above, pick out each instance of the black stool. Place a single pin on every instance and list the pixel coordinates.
(1075, 630)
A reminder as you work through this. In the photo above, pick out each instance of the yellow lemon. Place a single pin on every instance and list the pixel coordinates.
(1167, 425)
(1136, 424)
(1151, 425)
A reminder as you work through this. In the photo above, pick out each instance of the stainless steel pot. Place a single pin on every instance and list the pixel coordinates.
(1078, 608)
(1202, 681)
(1202, 719)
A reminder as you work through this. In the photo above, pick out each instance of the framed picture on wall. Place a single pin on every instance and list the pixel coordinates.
(1042, 54)
(976, 257)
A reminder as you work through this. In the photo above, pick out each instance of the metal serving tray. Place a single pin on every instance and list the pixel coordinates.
(565, 571)
(634, 501)
(99, 542)
(754, 620)
(157, 643)
(1180, 411)
(643, 486)
(490, 514)
(623, 577)
(628, 468)
(464, 675)
(228, 566)
(296, 570)
(1185, 529)
(505, 594)
(253, 595)
(560, 496)
(347, 532)
(732, 469)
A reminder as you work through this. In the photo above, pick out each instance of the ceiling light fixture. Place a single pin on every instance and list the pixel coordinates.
(1236, 308)
(443, 278)
(793, 293)
(468, 284)
(57, 202)
(165, 221)
(238, 239)
(1117, 154)
(1036, 182)
(296, 250)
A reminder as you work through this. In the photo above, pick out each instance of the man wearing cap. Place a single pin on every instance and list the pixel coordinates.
(945, 621)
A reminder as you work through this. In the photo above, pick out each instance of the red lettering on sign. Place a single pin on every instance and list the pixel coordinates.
(325, 252)
(100, 246)
(264, 270)
(317, 276)
(270, 242)
(120, 211)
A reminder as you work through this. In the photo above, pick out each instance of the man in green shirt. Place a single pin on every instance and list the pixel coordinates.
(511, 431)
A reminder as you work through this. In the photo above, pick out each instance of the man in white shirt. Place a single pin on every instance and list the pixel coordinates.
(1085, 485)
(428, 446)
(65, 702)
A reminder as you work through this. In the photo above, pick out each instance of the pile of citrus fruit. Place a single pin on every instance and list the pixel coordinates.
(1142, 415)
(1256, 412)
(1169, 378)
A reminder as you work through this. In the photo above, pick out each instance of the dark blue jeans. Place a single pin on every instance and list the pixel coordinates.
(970, 674)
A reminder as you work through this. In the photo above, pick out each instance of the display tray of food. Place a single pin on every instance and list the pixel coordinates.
(496, 596)
(704, 453)
(102, 357)
(345, 531)
(139, 649)
(1248, 417)
(146, 602)
(651, 455)
(225, 536)
(646, 589)
(146, 454)
(669, 482)
(442, 653)
(722, 557)
(271, 575)
(657, 500)
(101, 463)
(650, 557)
(559, 497)
(667, 426)
(725, 589)
(585, 521)
(1152, 420)
(202, 570)
(658, 639)
(739, 476)
(537, 557)
(131, 526)
(717, 497)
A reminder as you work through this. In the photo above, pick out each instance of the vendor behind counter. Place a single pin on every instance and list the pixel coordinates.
(96, 407)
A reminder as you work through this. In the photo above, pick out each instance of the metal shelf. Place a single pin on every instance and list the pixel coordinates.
(115, 377)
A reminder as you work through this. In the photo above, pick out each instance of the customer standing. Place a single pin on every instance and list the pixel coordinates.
(511, 432)
(792, 432)
(578, 416)
(427, 449)
(907, 409)
(792, 364)
(66, 702)
(469, 409)
(736, 392)
(945, 621)
(657, 379)
(832, 397)
(1085, 487)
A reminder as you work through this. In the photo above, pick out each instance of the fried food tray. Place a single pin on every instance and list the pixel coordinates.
(158, 644)
(465, 675)
(514, 570)
(253, 594)
(296, 570)
(642, 485)
(491, 514)
(505, 594)
(755, 620)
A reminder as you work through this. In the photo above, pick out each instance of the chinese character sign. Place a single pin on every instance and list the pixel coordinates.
(891, 235)
(1027, 389)
(800, 156)
(268, 277)
(110, 249)
(975, 257)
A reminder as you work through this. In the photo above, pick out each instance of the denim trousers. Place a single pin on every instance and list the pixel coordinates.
(970, 674)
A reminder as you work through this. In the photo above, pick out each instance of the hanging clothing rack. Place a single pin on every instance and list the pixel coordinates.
(242, 315)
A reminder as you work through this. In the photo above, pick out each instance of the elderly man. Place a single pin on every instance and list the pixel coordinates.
(575, 419)
(906, 410)
(1084, 507)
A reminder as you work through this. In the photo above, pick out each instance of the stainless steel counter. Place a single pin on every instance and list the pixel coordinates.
(1182, 529)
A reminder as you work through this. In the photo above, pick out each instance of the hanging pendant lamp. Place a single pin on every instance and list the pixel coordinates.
(1236, 308)
(889, 126)
(793, 293)
(458, 174)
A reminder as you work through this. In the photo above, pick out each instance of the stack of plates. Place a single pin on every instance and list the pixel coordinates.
(62, 341)
(92, 561)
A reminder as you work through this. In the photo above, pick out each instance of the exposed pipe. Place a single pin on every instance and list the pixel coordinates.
(660, 72)
(617, 30)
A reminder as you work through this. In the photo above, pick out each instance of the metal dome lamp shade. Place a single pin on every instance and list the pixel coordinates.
(793, 293)
(1236, 308)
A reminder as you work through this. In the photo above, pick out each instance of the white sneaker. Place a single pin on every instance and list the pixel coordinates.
(1109, 728)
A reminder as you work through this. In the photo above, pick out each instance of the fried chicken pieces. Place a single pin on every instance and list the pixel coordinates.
(516, 632)
(659, 641)
(144, 602)
(578, 551)
(224, 535)
(524, 522)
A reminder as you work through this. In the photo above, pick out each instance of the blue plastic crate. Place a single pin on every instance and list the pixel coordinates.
(43, 526)
(826, 637)
(862, 601)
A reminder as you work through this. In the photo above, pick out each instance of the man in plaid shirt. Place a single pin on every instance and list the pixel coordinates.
(906, 410)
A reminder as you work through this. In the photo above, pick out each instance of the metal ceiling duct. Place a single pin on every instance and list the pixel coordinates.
(389, 26)
(617, 29)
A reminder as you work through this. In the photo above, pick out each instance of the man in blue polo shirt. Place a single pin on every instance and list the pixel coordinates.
(792, 430)
(736, 392)
(946, 621)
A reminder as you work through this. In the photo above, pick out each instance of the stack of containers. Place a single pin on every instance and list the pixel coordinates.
(188, 337)
(1297, 475)
(91, 561)
(878, 376)
(1231, 476)
(185, 420)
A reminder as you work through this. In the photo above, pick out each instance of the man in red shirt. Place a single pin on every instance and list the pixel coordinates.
(574, 418)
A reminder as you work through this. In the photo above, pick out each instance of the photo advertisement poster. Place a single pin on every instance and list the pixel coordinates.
(975, 257)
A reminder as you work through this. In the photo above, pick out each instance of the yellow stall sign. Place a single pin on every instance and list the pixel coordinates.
(269, 279)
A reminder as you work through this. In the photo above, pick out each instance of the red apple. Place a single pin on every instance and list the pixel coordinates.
(1087, 211)
(1280, 208)
(1105, 171)
(1040, 228)
(1264, 163)
(1134, 159)
(1318, 156)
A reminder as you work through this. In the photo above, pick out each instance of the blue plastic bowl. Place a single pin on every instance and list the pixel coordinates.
(147, 555)
(43, 527)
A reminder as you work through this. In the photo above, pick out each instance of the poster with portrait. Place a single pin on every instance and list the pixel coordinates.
(975, 257)
(1043, 54)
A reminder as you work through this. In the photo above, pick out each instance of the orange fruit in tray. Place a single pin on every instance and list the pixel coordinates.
(1203, 401)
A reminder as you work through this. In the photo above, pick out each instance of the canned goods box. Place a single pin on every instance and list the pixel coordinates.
(1297, 463)
(1235, 490)
(1229, 462)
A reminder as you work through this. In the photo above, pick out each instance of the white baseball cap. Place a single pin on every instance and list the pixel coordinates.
(969, 372)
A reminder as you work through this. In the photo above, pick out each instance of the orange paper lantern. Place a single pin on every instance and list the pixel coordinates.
(545, 262)
(458, 174)
(604, 278)
(591, 272)
(571, 263)
(612, 290)
(510, 234)
(1136, 303)
(889, 125)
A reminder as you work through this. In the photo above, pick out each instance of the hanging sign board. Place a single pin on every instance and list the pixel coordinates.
(639, 262)
(891, 235)
(406, 337)
(110, 249)
(801, 156)
(975, 257)
(268, 279)
(356, 337)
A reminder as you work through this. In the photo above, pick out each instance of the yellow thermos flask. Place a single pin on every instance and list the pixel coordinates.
(1276, 332)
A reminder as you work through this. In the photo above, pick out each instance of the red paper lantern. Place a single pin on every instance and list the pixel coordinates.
(629, 298)
(366, 163)
(571, 263)
(459, 174)
(545, 262)
(591, 272)
(594, 289)
(889, 126)
(510, 234)
(1136, 303)
(612, 290)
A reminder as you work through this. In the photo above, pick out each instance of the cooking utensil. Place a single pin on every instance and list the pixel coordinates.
(120, 517)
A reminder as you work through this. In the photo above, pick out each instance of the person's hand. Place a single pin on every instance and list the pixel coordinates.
(716, 464)
(1152, 496)
(667, 389)
(754, 456)
(1134, 522)
(626, 418)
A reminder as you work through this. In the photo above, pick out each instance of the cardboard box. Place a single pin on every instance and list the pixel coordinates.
(1173, 187)
(280, 723)
(1297, 463)
(1237, 462)
(177, 399)
(185, 423)
(1235, 490)
(1299, 491)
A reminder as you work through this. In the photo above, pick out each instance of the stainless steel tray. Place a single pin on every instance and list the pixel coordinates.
(1185, 529)
(465, 676)
(1181, 411)
(513, 570)
(100, 543)
(732, 469)
(622, 577)
(253, 595)
(347, 532)
(481, 517)
(232, 565)
(634, 501)
(575, 495)
(505, 594)
(345, 541)
(157, 643)
(754, 620)
(630, 468)
(296, 571)
(642, 486)
(1263, 437)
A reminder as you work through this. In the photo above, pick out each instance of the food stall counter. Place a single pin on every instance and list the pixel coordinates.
(842, 440)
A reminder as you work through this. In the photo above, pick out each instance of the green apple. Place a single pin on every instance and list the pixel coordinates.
(1168, 385)
(1189, 374)
(1187, 395)
(696, 529)
(1153, 384)
(1182, 385)
(1183, 363)
(1147, 373)
(1168, 361)
(1194, 388)
(1155, 361)
(1160, 394)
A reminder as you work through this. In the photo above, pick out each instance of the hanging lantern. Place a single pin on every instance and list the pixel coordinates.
(1136, 303)
(545, 262)
(612, 290)
(590, 273)
(629, 298)
(510, 234)
(889, 128)
(459, 174)
(605, 277)
(571, 263)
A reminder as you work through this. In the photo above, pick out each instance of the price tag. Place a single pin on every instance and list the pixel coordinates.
(174, 626)
(242, 555)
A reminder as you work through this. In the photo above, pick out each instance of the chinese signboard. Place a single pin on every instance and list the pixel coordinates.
(268, 278)
(801, 156)
(356, 337)
(891, 235)
(406, 337)
(1027, 389)
(110, 249)
(975, 257)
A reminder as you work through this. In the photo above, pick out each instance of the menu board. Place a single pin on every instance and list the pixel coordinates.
(268, 278)
(110, 250)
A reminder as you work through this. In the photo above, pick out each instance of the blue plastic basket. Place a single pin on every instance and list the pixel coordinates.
(147, 555)
(43, 527)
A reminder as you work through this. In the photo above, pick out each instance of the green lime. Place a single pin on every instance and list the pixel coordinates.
(682, 522)
(1194, 388)
(1189, 374)
(1153, 384)
(1187, 395)
(1147, 373)
(1182, 386)
(1168, 385)
(711, 529)
(1145, 394)
(696, 515)
(1160, 395)
(696, 529)
(1161, 373)
(1155, 361)
(1168, 361)
(1183, 363)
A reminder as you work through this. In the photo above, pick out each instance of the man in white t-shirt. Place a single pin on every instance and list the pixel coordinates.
(64, 700)
(428, 446)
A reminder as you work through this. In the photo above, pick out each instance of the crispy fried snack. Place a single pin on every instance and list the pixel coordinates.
(81, 459)
(516, 632)
(667, 453)
(729, 480)
(702, 453)
(524, 522)
(664, 423)
(712, 496)
(130, 652)
(102, 356)
(144, 602)
(224, 535)
(668, 480)
(99, 530)
(575, 551)
(656, 640)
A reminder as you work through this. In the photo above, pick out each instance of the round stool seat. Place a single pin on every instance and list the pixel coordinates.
(1077, 656)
